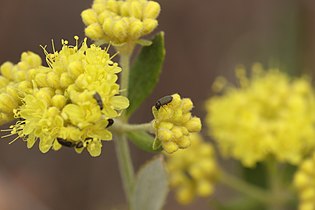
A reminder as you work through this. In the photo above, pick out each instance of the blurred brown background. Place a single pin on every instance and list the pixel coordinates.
(204, 39)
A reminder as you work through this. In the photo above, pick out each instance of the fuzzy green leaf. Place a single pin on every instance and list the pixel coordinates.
(145, 72)
(142, 140)
(151, 186)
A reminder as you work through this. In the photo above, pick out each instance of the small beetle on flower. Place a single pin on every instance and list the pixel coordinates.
(174, 123)
(73, 100)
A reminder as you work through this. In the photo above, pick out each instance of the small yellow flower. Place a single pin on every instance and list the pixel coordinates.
(193, 172)
(174, 123)
(305, 183)
(14, 79)
(72, 100)
(119, 21)
(269, 114)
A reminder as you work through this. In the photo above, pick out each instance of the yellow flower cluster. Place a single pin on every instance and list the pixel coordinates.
(13, 79)
(304, 181)
(119, 21)
(269, 114)
(174, 123)
(193, 172)
(72, 101)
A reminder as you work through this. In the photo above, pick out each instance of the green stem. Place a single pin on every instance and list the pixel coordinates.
(244, 187)
(124, 82)
(122, 148)
(121, 127)
(125, 164)
(279, 195)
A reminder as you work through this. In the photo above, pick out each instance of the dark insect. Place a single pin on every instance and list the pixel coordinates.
(79, 144)
(163, 101)
(110, 123)
(66, 143)
(98, 99)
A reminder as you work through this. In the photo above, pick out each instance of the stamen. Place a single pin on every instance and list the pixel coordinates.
(53, 45)
(114, 55)
(14, 140)
(108, 46)
(8, 135)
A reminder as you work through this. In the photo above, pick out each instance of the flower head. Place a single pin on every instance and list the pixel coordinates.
(193, 172)
(305, 183)
(268, 115)
(13, 79)
(72, 100)
(174, 123)
(119, 21)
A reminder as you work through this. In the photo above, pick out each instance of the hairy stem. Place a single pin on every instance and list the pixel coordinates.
(125, 65)
(125, 164)
(121, 127)
(121, 143)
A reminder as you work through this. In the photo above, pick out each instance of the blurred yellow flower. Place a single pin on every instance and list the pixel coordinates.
(269, 114)
(119, 21)
(193, 172)
(72, 100)
(174, 124)
(304, 181)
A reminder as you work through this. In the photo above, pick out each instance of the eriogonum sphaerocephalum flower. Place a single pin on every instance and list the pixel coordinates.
(304, 181)
(193, 171)
(173, 124)
(118, 21)
(62, 108)
(268, 115)
(13, 79)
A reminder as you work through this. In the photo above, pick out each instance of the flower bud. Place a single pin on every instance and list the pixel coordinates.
(59, 101)
(135, 29)
(119, 29)
(135, 9)
(6, 70)
(41, 79)
(149, 25)
(3, 81)
(94, 31)
(65, 80)
(89, 17)
(151, 10)
(53, 80)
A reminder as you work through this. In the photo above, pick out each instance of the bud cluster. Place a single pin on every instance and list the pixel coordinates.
(193, 172)
(118, 21)
(174, 123)
(305, 183)
(13, 79)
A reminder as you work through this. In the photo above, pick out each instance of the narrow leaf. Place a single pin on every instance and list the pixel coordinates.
(145, 72)
(151, 187)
